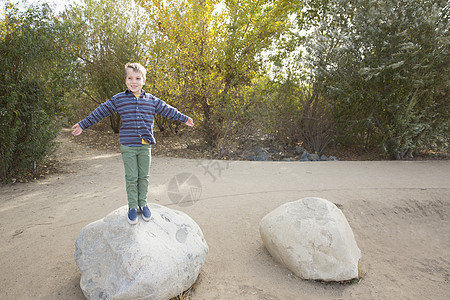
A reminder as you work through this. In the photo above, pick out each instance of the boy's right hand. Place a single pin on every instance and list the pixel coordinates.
(76, 130)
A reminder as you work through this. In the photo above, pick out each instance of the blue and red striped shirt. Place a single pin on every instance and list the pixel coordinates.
(137, 116)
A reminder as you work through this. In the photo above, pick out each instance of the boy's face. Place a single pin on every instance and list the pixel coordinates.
(134, 81)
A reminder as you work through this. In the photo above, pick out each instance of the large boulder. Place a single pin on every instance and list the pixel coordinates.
(158, 259)
(313, 239)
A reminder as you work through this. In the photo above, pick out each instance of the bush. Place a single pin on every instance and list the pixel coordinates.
(30, 92)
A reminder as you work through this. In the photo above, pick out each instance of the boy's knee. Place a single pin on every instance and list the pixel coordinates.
(145, 177)
(131, 179)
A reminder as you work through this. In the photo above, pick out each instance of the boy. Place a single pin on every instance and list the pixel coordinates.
(137, 110)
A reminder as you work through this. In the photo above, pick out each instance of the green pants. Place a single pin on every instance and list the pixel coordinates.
(136, 161)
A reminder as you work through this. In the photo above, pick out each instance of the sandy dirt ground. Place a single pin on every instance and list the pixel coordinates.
(399, 213)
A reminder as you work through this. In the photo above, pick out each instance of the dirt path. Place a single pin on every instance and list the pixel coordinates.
(399, 212)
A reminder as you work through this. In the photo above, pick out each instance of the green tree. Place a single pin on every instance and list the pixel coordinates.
(385, 65)
(34, 72)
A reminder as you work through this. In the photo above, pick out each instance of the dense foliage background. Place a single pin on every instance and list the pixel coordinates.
(362, 74)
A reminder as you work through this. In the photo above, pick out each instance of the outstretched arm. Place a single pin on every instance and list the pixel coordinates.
(76, 130)
(102, 111)
(189, 122)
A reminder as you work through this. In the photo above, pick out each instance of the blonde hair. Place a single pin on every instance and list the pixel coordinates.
(136, 67)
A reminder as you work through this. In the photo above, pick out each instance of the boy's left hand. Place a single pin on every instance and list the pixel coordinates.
(189, 122)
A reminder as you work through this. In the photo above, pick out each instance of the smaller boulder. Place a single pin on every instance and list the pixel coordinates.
(313, 239)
